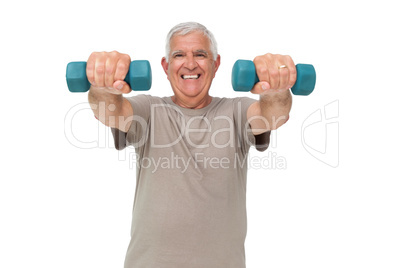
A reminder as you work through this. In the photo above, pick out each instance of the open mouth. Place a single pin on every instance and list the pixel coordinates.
(192, 76)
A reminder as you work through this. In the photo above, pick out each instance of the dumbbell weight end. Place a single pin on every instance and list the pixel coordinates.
(76, 77)
(306, 78)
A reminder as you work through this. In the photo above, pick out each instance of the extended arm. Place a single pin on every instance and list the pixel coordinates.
(106, 73)
(277, 73)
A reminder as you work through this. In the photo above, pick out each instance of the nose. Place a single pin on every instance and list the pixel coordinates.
(190, 62)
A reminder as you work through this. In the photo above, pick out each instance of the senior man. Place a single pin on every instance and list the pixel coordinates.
(190, 198)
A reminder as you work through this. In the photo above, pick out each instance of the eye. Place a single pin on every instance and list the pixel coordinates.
(178, 55)
(200, 55)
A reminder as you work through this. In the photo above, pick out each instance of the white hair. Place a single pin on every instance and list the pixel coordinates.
(189, 27)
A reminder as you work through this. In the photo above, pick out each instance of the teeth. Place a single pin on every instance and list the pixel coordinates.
(190, 76)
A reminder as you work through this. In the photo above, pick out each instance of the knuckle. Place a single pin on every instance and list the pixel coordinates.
(269, 55)
(263, 70)
(256, 59)
(286, 59)
(262, 73)
(100, 69)
(122, 66)
(94, 54)
(274, 74)
(99, 55)
(125, 57)
(109, 69)
(260, 59)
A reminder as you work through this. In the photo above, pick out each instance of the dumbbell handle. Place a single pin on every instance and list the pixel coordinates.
(244, 77)
(139, 76)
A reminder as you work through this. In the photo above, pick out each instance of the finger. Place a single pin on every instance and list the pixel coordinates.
(292, 71)
(122, 66)
(122, 87)
(274, 74)
(263, 72)
(91, 68)
(100, 71)
(283, 78)
(110, 69)
(261, 69)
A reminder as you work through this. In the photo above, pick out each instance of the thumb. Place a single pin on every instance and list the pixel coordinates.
(260, 87)
(122, 86)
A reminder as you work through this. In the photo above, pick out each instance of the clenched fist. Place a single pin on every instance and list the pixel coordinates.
(276, 73)
(106, 71)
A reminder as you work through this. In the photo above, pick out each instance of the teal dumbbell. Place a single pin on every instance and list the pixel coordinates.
(244, 77)
(139, 76)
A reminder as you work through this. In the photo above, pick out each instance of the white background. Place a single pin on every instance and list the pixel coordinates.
(65, 206)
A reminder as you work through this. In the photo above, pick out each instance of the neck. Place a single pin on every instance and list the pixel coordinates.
(192, 104)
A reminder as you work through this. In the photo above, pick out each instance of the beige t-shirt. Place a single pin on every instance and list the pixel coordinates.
(190, 199)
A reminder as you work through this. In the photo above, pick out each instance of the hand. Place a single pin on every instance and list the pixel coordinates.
(106, 71)
(273, 76)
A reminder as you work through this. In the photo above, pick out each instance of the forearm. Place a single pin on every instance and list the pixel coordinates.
(106, 106)
(275, 107)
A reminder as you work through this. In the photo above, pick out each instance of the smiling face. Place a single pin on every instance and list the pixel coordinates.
(190, 69)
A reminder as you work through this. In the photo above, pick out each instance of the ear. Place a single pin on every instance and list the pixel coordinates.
(165, 65)
(217, 63)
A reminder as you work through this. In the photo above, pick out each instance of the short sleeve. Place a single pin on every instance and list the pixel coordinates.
(261, 141)
(139, 123)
